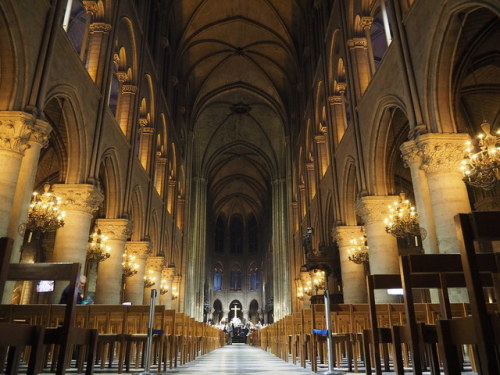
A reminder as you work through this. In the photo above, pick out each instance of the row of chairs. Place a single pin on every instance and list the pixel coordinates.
(421, 336)
(49, 334)
(121, 330)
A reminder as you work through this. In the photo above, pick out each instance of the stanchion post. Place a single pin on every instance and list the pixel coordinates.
(147, 361)
(329, 341)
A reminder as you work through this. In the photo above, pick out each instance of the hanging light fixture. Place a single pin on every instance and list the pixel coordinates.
(403, 220)
(482, 168)
(358, 253)
(45, 214)
(130, 267)
(149, 279)
(163, 287)
(98, 250)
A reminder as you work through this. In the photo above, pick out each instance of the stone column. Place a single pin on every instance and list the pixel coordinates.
(383, 247)
(160, 171)
(146, 134)
(441, 157)
(156, 265)
(361, 58)
(412, 157)
(134, 285)
(311, 180)
(171, 195)
(353, 275)
(176, 292)
(99, 33)
(179, 213)
(338, 117)
(125, 108)
(39, 139)
(15, 132)
(109, 273)
(80, 201)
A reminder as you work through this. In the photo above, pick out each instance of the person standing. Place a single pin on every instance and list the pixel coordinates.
(79, 299)
(230, 331)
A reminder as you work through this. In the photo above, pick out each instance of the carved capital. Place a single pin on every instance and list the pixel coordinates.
(90, 7)
(100, 27)
(167, 273)
(442, 153)
(146, 130)
(141, 249)
(357, 43)
(143, 122)
(155, 263)
(374, 209)
(344, 234)
(129, 89)
(320, 138)
(335, 99)
(341, 87)
(411, 154)
(15, 131)
(40, 133)
(122, 76)
(79, 197)
(115, 229)
(366, 23)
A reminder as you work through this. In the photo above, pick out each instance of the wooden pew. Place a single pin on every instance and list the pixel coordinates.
(66, 336)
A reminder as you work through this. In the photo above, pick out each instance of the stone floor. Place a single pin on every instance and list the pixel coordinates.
(240, 359)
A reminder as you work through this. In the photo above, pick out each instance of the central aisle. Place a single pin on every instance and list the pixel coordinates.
(239, 359)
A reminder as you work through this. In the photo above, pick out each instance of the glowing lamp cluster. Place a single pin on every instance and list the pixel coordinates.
(358, 252)
(403, 219)
(482, 168)
(163, 287)
(45, 214)
(149, 279)
(98, 250)
(130, 267)
(175, 292)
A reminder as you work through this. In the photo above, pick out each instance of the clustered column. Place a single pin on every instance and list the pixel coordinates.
(134, 287)
(353, 275)
(383, 249)
(109, 273)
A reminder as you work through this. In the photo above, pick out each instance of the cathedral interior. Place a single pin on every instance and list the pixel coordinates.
(241, 156)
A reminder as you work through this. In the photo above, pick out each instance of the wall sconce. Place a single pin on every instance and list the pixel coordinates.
(163, 287)
(175, 293)
(149, 279)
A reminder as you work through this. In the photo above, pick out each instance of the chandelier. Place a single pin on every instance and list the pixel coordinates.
(482, 169)
(45, 213)
(312, 279)
(403, 220)
(149, 279)
(358, 253)
(163, 287)
(130, 267)
(98, 250)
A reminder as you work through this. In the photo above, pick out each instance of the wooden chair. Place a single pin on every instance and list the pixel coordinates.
(480, 329)
(66, 336)
(16, 337)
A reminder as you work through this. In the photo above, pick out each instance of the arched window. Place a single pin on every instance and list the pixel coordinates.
(235, 278)
(218, 277)
(254, 278)
(236, 230)
(219, 235)
(252, 235)
(380, 33)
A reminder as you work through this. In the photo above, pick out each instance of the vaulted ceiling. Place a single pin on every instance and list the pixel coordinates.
(239, 62)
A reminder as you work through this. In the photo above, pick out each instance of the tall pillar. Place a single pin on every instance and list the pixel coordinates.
(441, 157)
(179, 213)
(353, 275)
(156, 265)
(146, 134)
(15, 133)
(134, 285)
(80, 201)
(338, 116)
(383, 247)
(281, 281)
(413, 159)
(160, 171)
(109, 273)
